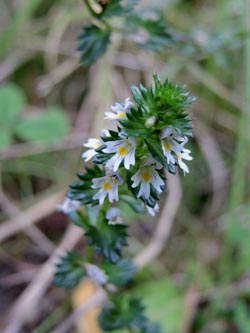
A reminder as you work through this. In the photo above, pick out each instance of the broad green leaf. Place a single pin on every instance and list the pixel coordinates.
(164, 303)
(5, 139)
(49, 127)
(12, 102)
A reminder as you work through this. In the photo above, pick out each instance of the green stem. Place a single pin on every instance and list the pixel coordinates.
(91, 10)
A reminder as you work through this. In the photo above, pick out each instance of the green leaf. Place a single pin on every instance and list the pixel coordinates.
(70, 270)
(132, 203)
(164, 303)
(166, 102)
(48, 127)
(81, 190)
(108, 239)
(120, 273)
(126, 314)
(155, 149)
(115, 8)
(5, 138)
(152, 31)
(12, 102)
(93, 43)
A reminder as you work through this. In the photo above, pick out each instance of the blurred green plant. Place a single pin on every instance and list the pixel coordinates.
(45, 128)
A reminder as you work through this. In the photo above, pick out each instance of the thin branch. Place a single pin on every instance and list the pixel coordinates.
(28, 149)
(164, 225)
(215, 162)
(27, 304)
(27, 218)
(33, 232)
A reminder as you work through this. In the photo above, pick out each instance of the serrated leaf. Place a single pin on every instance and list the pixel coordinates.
(126, 314)
(155, 149)
(116, 8)
(70, 270)
(120, 273)
(93, 43)
(81, 190)
(108, 239)
(150, 31)
(48, 127)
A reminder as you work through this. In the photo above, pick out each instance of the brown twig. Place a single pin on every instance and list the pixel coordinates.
(33, 232)
(27, 149)
(164, 225)
(30, 216)
(218, 172)
(27, 304)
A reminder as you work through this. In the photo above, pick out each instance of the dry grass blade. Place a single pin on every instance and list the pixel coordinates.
(30, 216)
(27, 304)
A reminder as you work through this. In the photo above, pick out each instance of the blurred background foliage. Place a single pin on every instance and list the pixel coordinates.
(50, 104)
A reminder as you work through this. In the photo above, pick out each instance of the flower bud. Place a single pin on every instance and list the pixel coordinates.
(150, 121)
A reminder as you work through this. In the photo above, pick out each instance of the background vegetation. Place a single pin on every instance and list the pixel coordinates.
(50, 104)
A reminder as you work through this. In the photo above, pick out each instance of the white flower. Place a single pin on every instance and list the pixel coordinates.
(124, 151)
(96, 274)
(113, 216)
(184, 155)
(108, 186)
(68, 206)
(92, 144)
(153, 211)
(119, 110)
(146, 176)
(172, 142)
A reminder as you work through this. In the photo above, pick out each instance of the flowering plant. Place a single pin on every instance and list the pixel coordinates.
(128, 166)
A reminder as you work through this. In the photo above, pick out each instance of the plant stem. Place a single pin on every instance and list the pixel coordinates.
(91, 10)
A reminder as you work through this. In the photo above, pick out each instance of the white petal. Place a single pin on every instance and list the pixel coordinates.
(136, 179)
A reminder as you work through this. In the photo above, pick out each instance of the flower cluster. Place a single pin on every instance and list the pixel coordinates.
(151, 135)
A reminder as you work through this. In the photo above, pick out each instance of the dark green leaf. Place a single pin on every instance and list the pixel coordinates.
(81, 190)
(118, 8)
(108, 239)
(120, 273)
(126, 314)
(155, 149)
(70, 270)
(93, 43)
(149, 30)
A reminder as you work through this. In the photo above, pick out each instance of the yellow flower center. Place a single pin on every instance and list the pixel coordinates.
(107, 186)
(123, 151)
(167, 146)
(122, 114)
(146, 176)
